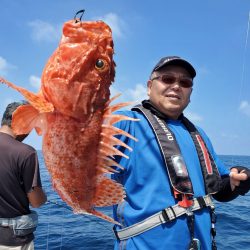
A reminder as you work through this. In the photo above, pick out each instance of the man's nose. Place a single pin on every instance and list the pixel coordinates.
(176, 84)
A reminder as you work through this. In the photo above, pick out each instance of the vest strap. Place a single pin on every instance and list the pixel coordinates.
(166, 215)
(170, 150)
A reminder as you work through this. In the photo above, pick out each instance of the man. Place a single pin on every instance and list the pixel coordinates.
(173, 170)
(20, 185)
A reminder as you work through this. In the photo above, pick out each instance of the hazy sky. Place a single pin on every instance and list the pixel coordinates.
(211, 34)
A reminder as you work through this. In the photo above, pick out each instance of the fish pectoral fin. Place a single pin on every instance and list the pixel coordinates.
(108, 192)
(25, 118)
(39, 103)
(36, 100)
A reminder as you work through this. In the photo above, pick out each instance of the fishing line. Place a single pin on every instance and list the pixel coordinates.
(242, 77)
(244, 58)
(82, 215)
(48, 231)
(62, 231)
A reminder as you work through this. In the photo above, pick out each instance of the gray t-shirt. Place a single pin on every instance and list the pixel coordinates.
(19, 173)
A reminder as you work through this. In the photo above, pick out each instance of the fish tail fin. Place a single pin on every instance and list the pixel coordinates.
(105, 217)
(97, 214)
(108, 192)
(36, 100)
(25, 118)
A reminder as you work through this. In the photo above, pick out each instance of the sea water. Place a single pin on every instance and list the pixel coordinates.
(60, 229)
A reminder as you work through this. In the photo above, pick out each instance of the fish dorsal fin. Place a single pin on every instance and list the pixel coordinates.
(109, 141)
(25, 118)
(36, 100)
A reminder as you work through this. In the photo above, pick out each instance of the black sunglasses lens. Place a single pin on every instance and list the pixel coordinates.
(168, 79)
(186, 83)
(171, 79)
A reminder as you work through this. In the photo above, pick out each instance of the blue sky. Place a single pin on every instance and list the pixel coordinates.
(212, 35)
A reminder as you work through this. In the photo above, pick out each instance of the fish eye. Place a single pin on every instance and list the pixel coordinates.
(100, 64)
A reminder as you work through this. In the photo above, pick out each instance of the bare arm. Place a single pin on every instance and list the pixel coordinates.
(37, 197)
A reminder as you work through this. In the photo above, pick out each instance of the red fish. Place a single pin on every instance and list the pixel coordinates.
(72, 113)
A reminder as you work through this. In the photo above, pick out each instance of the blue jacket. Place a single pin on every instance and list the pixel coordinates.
(148, 189)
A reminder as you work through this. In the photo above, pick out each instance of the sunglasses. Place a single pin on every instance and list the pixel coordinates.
(185, 82)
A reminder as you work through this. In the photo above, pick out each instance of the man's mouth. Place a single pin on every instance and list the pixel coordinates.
(173, 96)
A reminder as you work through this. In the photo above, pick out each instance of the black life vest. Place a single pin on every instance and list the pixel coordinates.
(174, 162)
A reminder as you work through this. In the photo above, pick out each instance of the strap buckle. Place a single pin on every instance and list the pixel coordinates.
(184, 200)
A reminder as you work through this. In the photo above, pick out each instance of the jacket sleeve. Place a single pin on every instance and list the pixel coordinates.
(225, 193)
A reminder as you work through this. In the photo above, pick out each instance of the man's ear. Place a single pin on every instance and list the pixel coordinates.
(149, 85)
(190, 95)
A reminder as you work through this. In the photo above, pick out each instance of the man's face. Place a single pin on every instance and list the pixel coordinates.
(170, 99)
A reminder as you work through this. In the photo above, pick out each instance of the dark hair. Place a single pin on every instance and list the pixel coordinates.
(7, 115)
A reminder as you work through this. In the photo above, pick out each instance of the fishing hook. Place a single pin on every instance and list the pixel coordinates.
(80, 18)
